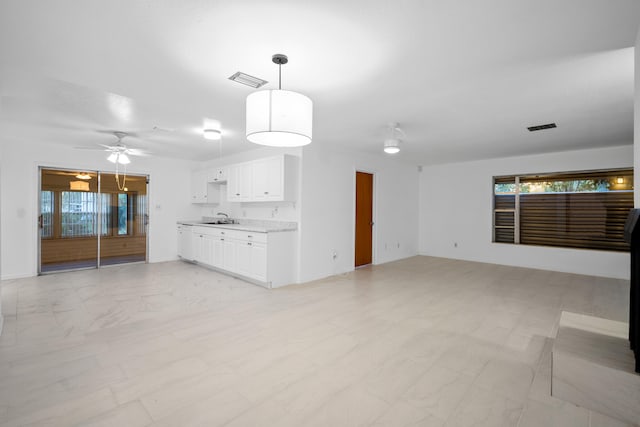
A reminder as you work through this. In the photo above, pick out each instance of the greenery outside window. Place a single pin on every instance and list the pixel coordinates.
(584, 209)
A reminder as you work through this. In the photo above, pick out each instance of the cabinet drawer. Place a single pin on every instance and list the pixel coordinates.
(250, 236)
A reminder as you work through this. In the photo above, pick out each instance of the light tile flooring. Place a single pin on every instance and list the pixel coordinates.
(423, 341)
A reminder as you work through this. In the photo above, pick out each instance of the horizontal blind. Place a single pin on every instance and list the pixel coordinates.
(576, 220)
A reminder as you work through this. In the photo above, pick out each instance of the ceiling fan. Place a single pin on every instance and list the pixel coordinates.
(119, 154)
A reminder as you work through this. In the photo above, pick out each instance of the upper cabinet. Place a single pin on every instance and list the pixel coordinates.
(201, 190)
(269, 179)
(239, 182)
(217, 175)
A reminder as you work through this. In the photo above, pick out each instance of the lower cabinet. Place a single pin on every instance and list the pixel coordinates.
(266, 258)
(252, 260)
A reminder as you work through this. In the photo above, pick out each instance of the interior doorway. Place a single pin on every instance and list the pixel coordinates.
(87, 219)
(364, 219)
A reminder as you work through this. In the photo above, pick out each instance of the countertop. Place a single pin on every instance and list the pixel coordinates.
(255, 226)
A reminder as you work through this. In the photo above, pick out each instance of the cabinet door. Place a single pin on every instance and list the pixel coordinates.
(185, 243)
(243, 261)
(275, 181)
(268, 182)
(222, 174)
(229, 254)
(181, 232)
(218, 252)
(199, 187)
(208, 243)
(260, 188)
(233, 183)
(258, 261)
(245, 179)
(198, 247)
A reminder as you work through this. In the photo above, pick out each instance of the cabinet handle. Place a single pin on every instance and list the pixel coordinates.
(222, 232)
(266, 192)
(250, 236)
(249, 243)
(237, 194)
(222, 240)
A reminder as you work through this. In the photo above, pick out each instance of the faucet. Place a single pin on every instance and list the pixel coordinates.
(222, 213)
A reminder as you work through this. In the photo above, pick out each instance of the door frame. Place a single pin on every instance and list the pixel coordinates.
(38, 170)
(374, 203)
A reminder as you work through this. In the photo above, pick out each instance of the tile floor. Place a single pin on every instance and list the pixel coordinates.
(418, 342)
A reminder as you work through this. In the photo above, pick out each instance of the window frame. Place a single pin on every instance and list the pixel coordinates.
(517, 211)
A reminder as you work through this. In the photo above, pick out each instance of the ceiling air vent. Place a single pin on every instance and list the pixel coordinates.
(541, 127)
(248, 80)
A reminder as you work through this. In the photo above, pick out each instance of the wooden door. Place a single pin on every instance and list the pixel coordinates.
(364, 219)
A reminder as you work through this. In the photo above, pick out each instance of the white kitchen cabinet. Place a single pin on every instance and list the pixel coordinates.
(217, 175)
(201, 190)
(258, 268)
(199, 187)
(263, 258)
(263, 180)
(229, 259)
(203, 245)
(239, 182)
(268, 179)
(185, 242)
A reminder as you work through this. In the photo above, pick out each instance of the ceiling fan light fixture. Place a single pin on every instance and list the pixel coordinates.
(212, 134)
(113, 157)
(279, 118)
(123, 159)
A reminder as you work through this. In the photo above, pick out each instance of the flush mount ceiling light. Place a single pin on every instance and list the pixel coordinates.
(212, 134)
(391, 146)
(392, 143)
(279, 118)
(83, 175)
(79, 186)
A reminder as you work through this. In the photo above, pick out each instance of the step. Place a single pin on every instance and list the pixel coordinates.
(593, 367)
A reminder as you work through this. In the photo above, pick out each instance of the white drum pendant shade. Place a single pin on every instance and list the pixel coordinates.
(279, 118)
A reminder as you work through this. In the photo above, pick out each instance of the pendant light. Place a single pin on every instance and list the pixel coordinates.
(279, 118)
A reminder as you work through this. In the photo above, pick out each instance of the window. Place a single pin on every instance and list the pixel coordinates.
(122, 213)
(79, 213)
(575, 210)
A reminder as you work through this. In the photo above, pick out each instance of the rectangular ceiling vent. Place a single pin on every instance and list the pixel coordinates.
(248, 80)
(541, 127)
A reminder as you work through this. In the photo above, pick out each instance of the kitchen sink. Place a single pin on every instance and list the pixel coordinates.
(221, 222)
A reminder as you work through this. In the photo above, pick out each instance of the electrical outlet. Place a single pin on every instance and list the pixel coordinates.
(455, 244)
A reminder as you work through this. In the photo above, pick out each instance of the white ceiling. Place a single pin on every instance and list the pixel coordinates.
(462, 78)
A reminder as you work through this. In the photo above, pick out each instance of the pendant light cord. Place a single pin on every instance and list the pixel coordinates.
(279, 76)
(124, 178)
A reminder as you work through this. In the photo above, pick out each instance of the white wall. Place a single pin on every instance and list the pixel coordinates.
(168, 199)
(328, 209)
(456, 207)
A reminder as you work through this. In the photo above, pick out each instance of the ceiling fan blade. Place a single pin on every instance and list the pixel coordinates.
(93, 148)
(137, 152)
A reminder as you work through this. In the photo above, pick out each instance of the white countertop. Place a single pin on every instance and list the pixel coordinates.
(263, 227)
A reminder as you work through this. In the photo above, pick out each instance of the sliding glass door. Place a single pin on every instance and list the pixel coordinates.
(87, 219)
(124, 219)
